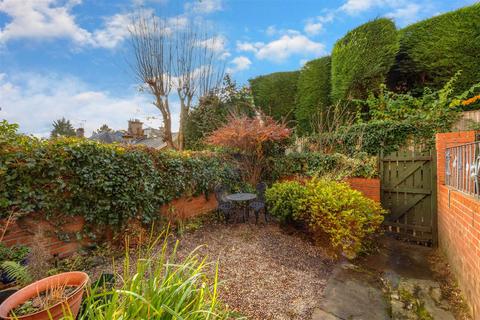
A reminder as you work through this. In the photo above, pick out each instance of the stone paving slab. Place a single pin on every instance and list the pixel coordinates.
(395, 283)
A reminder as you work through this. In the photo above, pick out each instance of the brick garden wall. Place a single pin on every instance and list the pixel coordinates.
(459, 224)
(369, 187)
(24, 230)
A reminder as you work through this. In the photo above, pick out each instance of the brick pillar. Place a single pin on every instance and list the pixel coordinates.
(447, 140)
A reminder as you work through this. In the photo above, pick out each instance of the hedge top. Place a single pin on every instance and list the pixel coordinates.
(362, 59)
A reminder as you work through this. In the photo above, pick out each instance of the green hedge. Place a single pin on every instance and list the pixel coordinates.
(107, 184)
(313, 93)
(275, 94)
(310, 164)
(433, 50)
(362, 59)
(376, 136)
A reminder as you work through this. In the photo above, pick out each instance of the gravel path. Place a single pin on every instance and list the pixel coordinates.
(266, 273)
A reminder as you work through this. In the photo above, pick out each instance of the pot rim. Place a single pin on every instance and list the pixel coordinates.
(80, 286)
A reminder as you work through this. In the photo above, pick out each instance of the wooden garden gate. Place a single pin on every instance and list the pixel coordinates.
(408, 182)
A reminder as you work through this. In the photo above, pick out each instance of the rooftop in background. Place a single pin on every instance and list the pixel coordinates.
(135, 135)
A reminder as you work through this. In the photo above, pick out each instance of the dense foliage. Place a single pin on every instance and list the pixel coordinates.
(362, 59)
(213, 111)
(249, 139)
(275, 94)
(310, 164)
(331, 211)
(393, 118)
(107, 184)
(433, 50)
(313, 92)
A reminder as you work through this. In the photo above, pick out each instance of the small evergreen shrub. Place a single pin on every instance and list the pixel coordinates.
(331, 211)
(285, 200)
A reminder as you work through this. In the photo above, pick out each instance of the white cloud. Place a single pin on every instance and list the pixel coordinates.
(353, 7)
(407, 14)
(115, 31)
(34, 101)
(41, 19)
(204, 6)
(51, 19)
(284, 47)
(249, 46)
(239, 64)
(316, 25)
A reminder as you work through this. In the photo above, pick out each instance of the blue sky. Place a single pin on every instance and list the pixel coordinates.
(68, 58)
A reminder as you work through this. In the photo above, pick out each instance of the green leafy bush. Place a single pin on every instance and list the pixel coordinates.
(107, 184)
(340, 214)
(331, 211)
(313, 93)
(14, 253)
(336, 165)
(362, 59)
(275, 94)
(285, 200)
(433, 50)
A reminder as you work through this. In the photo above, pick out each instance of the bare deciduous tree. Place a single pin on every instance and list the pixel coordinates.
(198, 69)
(153, 63)
(175, 56)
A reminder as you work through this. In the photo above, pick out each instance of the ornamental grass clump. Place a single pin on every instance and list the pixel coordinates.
(331, 211)
(156, 284)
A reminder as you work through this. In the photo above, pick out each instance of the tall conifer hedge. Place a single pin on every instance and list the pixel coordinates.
(362, 59)
(313, 92)
(275, 94)
(433, 50)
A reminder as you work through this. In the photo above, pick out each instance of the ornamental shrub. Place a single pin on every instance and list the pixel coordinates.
(107, 184)
(285, 200)
(275, 94)
(332, 211)
(362, 59)
(313, 93)
(342, 216)
(433, 50)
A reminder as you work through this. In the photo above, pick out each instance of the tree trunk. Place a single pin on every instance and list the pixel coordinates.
(183, 119)
(162, 105)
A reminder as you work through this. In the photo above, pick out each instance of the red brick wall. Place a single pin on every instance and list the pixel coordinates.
(23, 231)
(369, 187)
(184, 208)
(459, 225)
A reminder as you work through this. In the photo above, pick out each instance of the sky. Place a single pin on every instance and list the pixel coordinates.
(70, 58)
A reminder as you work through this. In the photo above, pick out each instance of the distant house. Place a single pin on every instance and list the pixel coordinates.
(136, 135)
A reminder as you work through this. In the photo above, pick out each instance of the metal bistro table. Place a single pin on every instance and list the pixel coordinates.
(242, 199)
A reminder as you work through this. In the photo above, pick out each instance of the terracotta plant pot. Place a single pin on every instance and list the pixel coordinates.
(72, 303)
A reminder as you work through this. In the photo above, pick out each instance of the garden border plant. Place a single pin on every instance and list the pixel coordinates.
(330, 210)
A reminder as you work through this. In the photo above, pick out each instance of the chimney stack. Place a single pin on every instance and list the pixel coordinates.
(80, 133)
(135, 128)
